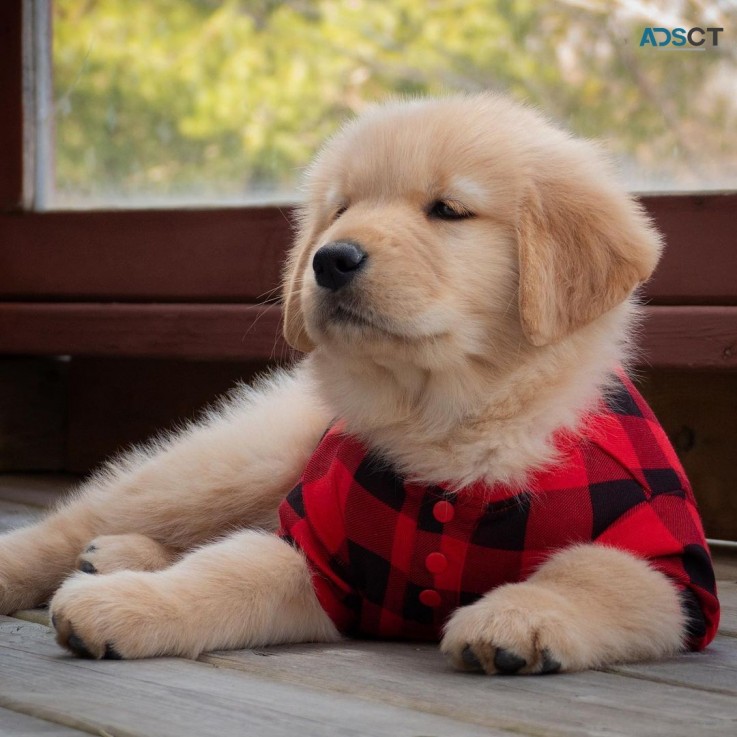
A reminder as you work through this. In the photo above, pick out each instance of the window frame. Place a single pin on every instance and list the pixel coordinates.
(190, 279)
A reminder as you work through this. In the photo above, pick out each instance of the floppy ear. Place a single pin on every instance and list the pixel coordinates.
(583, 247)
(294, 323)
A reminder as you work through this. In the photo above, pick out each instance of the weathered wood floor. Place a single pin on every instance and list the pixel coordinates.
(353, 688)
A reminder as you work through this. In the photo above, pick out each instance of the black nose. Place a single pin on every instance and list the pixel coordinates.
(337, 263)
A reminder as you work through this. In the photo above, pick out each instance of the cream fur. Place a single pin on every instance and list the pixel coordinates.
(245, 591)
(476, 340)
(571, 609)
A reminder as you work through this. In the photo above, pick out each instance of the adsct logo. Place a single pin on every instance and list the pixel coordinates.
(680, 39)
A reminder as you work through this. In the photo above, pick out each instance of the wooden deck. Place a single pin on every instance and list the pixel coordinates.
(353, 688)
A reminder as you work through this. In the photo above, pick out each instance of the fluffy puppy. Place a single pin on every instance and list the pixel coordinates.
(466, 457)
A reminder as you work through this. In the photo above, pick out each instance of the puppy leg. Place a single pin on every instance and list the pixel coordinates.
(35, 559)
(231, 471)
(250, 589)
(586, 607)
(132, 552)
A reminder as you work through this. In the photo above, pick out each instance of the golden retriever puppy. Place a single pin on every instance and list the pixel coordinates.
(460, 456)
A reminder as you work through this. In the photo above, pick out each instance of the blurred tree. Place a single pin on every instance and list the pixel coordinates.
(183, 98)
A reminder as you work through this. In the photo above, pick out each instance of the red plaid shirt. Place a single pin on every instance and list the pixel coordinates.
(393, 559)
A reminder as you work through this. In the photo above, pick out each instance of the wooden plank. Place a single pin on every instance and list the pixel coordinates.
(348, 689)
(171, 697)
(699, 412)
(693, 337)
(690, 337)
(235, 254)
(416, 676)
(22, 725)
(210, 255)
(237, 332)
(714, 670)
(11, 109)
(700, 260)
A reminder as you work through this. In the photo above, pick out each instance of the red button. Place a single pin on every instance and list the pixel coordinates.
(443, 511)
(430, 597)
(436, 562)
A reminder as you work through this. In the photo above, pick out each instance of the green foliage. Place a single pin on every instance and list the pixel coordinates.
(166, 98)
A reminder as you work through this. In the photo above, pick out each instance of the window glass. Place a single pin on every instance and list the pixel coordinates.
(197, 101)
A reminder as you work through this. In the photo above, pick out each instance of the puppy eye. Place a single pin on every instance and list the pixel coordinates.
(443, 210)
(340, 211)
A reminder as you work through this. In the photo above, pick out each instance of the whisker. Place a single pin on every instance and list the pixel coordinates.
(268, 293)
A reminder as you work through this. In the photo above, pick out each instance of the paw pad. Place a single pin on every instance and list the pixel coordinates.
(550, 664)
(77, 646)
(507, 662)
(111, 653)
(468, 656)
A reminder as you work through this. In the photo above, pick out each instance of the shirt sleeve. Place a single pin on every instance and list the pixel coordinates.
(311, 519)
(666, 531)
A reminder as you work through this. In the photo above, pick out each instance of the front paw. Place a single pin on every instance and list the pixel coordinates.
(121, 615)
(518, 628)
(132, 552)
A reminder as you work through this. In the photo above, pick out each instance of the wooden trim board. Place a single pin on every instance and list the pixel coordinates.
(673, 337)
(237, 332)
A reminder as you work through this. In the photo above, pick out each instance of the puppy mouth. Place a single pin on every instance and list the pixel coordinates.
(342, 315)
(348, 316)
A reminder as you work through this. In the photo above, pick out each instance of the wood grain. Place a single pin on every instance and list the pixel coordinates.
(236, 332)
(345, 689)
(700, 261)
(168, 697)
(21, 725)
(570, 704)
(714, 670)
(690, 337)
(208, 255)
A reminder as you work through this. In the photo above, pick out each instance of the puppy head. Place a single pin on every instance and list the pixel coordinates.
(456, 227)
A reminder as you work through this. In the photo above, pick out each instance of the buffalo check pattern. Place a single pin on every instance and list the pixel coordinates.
(392, 559)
